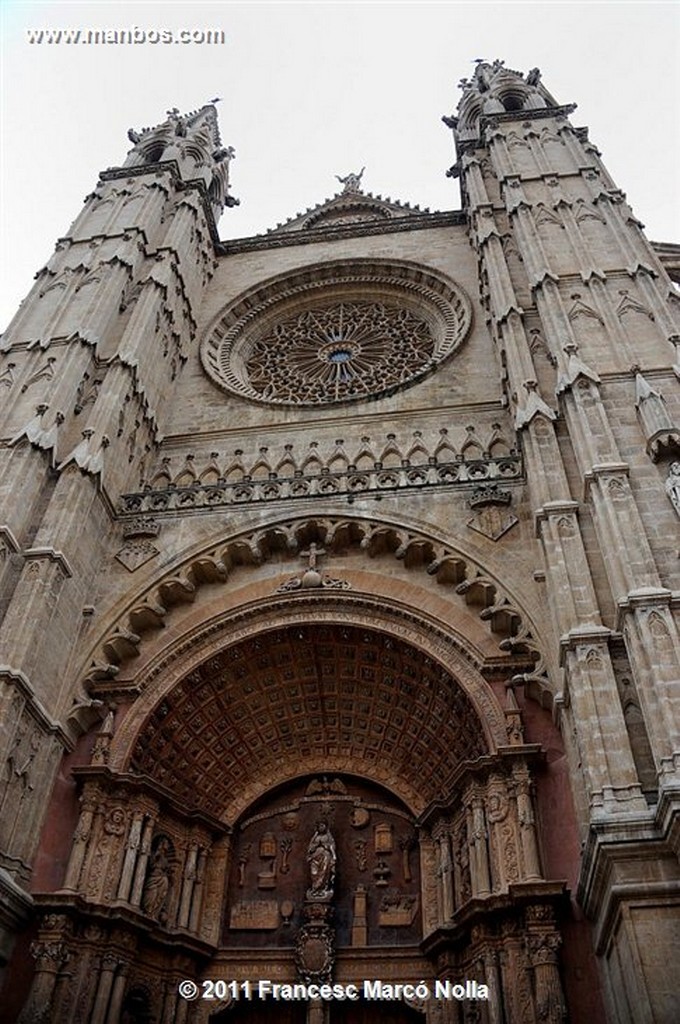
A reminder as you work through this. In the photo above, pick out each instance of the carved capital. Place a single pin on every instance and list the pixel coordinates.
(48, 956)
(543, 949)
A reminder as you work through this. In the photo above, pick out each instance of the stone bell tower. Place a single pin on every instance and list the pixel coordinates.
(585, 322)
(89, 368)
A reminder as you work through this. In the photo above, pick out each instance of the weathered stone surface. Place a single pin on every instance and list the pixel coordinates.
(369, 523)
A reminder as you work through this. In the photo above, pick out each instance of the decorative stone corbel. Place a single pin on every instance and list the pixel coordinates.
(33, 430)
(661, 435)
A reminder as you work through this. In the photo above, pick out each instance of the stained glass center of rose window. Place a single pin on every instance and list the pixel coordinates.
(341, 351)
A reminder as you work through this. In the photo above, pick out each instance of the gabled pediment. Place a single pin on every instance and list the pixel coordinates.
(351, 206)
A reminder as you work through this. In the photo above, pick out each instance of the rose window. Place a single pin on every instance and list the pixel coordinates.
(347, 350)
(340, 332)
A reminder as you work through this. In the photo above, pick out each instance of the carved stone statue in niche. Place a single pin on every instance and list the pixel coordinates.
(321, 857)
(242, 863)
(673, 485)
(157, 885)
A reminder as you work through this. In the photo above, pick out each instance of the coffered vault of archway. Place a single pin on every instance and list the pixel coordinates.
(303, 697)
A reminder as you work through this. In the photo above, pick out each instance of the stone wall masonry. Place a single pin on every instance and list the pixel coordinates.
(607, 314)
(491, 530)
(460, 380)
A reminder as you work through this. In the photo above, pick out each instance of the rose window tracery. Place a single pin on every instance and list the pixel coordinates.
(346, 350)
(336, 332)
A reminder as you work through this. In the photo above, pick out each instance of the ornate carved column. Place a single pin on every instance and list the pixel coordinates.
(81, 837)
(117, 994)
(131, 853)
(216, 871)
(188, 882)
(439, 879)
(181, 1012)
(493, 980)
(462, 887)
(49, 958)
(515, 975)
(197, 895)
(503, 828)
(317, 1012)
(142, 861)
(446, 875)
(109, 963)
(481, 882)
(428, 880)
(527, 823)
(103, 865)
(543, 943)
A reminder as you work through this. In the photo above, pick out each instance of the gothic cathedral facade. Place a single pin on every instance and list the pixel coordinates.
(340, 596)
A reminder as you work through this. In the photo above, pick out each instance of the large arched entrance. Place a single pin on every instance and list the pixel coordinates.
(211, 802)
(310, 696)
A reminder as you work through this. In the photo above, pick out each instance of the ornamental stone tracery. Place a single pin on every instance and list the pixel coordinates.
(350, 332)
(344, 351)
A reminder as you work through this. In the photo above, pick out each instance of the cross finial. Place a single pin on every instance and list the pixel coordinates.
(312, 553)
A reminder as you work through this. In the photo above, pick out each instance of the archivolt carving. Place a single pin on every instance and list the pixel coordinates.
(303, 339)
(417, 551)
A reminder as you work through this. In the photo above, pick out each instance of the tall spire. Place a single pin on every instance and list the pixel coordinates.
(495, 89)
(193, 142)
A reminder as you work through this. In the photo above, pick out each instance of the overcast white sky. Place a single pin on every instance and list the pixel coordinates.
(310, 90)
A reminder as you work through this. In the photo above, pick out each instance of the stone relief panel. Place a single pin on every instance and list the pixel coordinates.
(323, 843)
